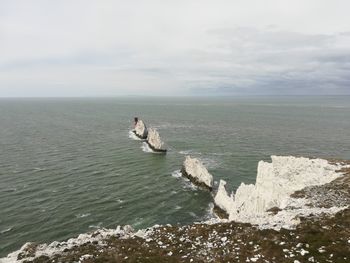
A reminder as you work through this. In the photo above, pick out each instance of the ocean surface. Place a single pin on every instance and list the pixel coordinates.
(68, 166)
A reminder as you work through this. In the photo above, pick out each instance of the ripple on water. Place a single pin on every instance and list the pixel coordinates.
(96, 226)
(187, 185)
(82, 215)
(188, 152)
(5, 230)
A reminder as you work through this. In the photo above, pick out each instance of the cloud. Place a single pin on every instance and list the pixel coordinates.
(86, 48)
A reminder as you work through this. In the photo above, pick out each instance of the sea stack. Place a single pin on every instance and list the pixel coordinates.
(222, 201)
(154, 141)
(140, 129)
(194, 170)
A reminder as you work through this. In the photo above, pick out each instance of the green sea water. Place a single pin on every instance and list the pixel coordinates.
(68, 166)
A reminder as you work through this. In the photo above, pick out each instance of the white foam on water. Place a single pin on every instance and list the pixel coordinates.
(96, 226)
(6, 230)
(176, 174)
(133, 136)
(145, 147)
(209, 212)
(83, 215)
(38, 169)
(186, 182)
(187, 152)
(221, 154)
(209, 163)
(192, 214)
(188, 185)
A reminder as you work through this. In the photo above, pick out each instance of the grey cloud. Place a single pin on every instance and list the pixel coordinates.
(127, 47)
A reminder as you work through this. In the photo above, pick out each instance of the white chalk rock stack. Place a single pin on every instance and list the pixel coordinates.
(154, 140)
(141, 129)
(194, 170)
(222, 201)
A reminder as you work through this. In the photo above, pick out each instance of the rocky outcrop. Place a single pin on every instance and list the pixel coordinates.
(194, 170)
(141, 130)
(275, 183)
(154, 141)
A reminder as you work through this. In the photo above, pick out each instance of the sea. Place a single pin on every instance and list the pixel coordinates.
(69, 165)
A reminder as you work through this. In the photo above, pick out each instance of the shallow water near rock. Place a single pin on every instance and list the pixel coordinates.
(68, 166)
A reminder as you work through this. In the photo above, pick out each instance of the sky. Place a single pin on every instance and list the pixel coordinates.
(103, 48)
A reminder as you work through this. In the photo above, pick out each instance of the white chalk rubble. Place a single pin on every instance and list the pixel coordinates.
(55, 247)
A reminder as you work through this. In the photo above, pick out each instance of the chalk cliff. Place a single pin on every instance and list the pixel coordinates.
(275, 182)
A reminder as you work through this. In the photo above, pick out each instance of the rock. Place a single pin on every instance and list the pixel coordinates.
(27, 250)
(194, 170)
(154, 141)
(268, 203)
(141, 130)
(222, 201)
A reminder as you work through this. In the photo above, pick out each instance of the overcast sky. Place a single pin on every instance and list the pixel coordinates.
(111, 48)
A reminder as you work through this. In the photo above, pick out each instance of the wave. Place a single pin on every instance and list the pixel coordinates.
(210, 163)
(96, 226)
(221, 154)
(193, 214)
(145, 147)
(133, 136)
(186, 182)
(38, 169)
(82, 215)
(189, 185)
(5, 230)
(187, 152)
(8, 190)
(209, 215)
(176, 174)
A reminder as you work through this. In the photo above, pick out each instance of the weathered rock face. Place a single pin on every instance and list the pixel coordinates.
(275, 183)
(141, 129)
(222, 201)
(154, 140)
(194, 170)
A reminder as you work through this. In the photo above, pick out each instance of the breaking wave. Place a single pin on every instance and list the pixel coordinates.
(133, 136)
(186, 182)
(145, 147)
